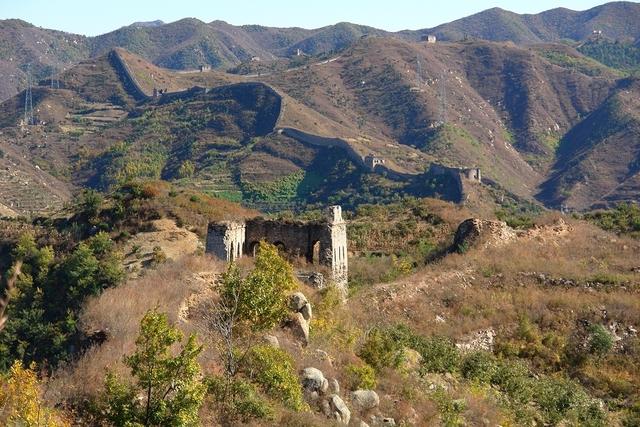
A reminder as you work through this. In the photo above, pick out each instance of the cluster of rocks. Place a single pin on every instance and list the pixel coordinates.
(324, 394)
(546, 280)
(315, 279)
(476, 231)
(302, 314)
(482, 340)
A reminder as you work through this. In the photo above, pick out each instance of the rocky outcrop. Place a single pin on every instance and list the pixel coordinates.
(365, 399)
(299, 328)
(313, 381)
(297, 301)
(299, 321)
(474, 232)
(478, 341)
(339, 409)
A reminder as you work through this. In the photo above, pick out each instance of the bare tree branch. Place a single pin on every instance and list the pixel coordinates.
(11, 284)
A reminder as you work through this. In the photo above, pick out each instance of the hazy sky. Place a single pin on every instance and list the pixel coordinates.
(97, 17)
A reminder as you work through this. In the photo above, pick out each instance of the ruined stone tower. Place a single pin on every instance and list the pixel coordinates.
(319, 242)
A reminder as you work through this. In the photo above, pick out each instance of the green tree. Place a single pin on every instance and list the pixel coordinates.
(187, 169)
(600, 340)
(261, 298)
(171, 386)
(90, 203)
(273, 368)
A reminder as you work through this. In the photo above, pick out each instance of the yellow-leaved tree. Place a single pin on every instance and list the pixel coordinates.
(21, 402)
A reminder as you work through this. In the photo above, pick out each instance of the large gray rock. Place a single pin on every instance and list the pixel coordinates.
(297, 301)
(483, 232)
(334, 385)
(313, 380)
(365, 399)
(341, 413)
(300, 328)
(306, 312)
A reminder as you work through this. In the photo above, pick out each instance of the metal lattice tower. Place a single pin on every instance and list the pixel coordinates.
(28, 99)
(55, 81)
(443, 98)
(419, 71)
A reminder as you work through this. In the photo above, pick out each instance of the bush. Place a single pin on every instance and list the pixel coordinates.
(439, 354)
(479, 366)
(380, 350)
(361, 377)
(600, 340)
(170, 387)
(158, 256)
(263, 295)
(514, 379)
(21, 400)
(273, 369)
(560, 399)
(43, 312)
(237, 400)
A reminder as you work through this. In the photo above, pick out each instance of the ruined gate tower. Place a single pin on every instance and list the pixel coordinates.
(320, 242)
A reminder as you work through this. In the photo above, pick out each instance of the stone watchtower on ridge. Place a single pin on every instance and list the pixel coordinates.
(319, 242)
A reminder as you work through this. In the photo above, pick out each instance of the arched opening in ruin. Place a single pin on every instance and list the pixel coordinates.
(232, 252)
(253, 248)
(281, 248)
(315, 252)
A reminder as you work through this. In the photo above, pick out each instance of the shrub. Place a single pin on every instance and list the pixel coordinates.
(21, 400)
(514, 379)
(237, 400)
(171, 388)
(361, 377)
(263, 295)
(600, 340)
(43, 312)
(560, 399)
(90, 203)
(439, 354)
(479, 366)
(273, 369)
(187, 169)
(380, 350)
(158, 256)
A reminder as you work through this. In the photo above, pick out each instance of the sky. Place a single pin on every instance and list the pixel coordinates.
(97, 17)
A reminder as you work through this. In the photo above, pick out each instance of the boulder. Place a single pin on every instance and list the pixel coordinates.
(306, 312)
(300, 328)
(476, 231)
(478, 341)
(272, 340)
(297, 301)
(365, 399)
(341, 413)
(334, 386)
(313, 380)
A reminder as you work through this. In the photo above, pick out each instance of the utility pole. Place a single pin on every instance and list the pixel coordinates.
(28, 100)
(443, 98)
(55, 82)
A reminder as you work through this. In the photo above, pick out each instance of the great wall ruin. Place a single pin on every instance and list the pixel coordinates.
(318, 242)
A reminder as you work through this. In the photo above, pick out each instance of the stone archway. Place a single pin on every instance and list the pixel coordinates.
(316, 252)
(253, 248)
(282, 249)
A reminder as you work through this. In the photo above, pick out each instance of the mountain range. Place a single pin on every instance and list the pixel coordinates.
(537, 102)
(188, 43)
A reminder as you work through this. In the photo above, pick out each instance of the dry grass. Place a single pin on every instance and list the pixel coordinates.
(119, 311)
